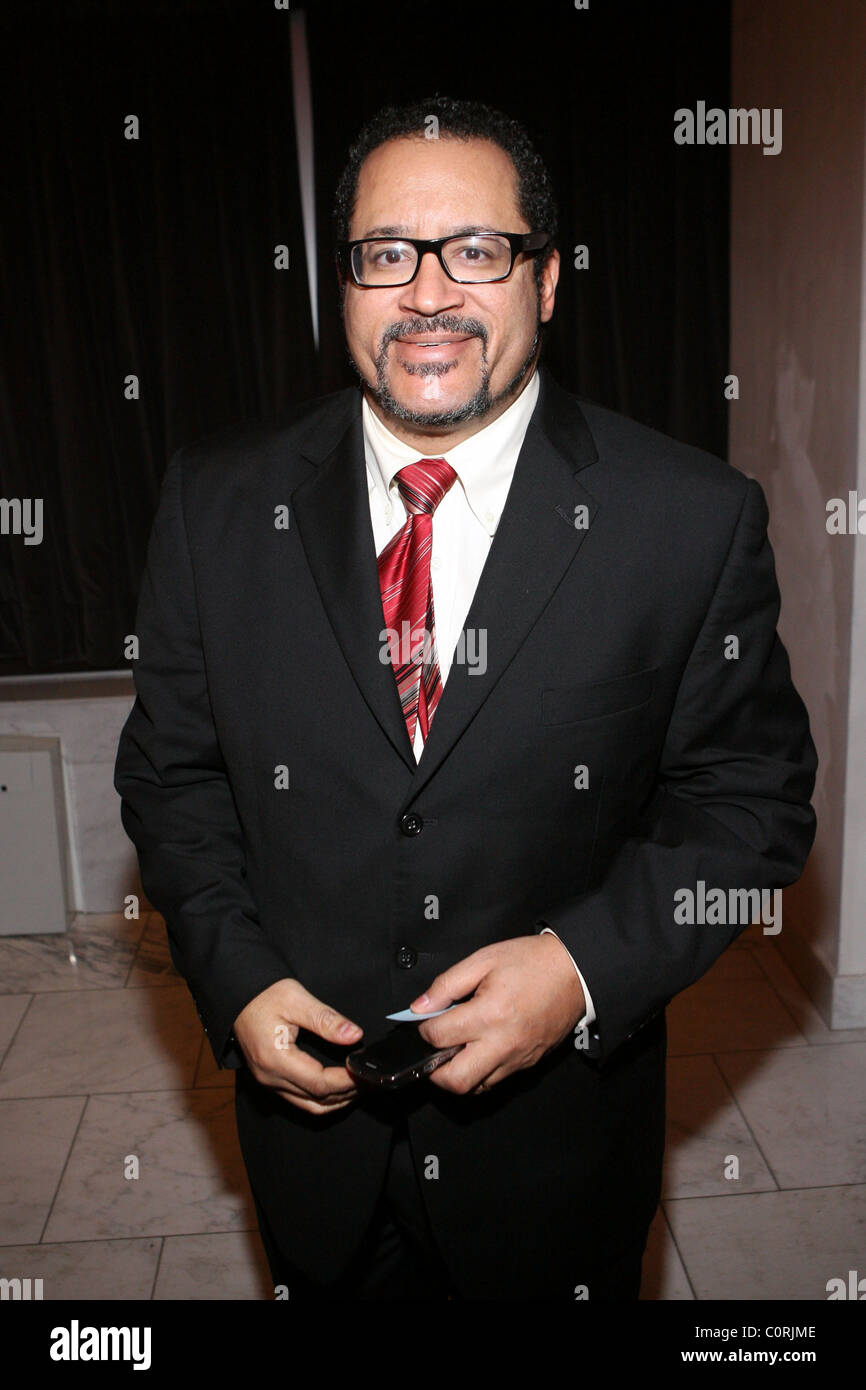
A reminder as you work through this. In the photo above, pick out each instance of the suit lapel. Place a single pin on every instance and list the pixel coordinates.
(535, 542)
(332, 511)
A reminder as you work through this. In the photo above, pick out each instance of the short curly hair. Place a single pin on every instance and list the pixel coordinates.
(458, 120)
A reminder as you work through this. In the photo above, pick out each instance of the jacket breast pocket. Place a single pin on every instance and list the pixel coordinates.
(569, 704)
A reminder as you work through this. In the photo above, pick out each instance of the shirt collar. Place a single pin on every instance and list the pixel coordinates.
(484, 463)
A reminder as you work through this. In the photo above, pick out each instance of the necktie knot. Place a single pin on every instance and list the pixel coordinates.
(422, 485)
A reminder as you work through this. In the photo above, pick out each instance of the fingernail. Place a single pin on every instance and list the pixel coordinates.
(348, 1029)
(420, 1003)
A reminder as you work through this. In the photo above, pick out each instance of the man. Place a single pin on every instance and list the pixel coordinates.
(448, 687)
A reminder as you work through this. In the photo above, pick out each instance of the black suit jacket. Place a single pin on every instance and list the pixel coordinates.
(606, 648)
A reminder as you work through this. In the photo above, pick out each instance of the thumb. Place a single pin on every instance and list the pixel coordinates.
(456, 982)
(319, 1018)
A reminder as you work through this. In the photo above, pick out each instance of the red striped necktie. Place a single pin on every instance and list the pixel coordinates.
(407, 593)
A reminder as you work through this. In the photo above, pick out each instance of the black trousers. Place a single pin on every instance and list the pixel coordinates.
(399, 1258)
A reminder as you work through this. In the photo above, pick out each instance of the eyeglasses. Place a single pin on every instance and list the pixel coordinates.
(476, 258)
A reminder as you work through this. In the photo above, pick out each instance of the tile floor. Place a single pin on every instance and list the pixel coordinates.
(103, 1059)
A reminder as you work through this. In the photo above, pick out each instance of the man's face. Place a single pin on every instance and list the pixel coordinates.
(435, 354)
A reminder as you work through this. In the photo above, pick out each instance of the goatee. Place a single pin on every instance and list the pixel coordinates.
(481, 403)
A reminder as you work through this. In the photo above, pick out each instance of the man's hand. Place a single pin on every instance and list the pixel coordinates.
(527, 998)
(266, 1030)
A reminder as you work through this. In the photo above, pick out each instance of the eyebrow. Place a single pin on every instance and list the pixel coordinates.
(406, 232)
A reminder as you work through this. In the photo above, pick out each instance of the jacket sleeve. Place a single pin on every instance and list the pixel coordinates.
(176, 802)
(731, 805)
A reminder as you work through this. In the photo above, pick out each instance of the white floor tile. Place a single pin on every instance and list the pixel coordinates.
(35, 1139)
(231, 1266)
(807, 1110)
(89, 1269)
(95, 953)
(770, 1245)
(12, 1009)
(707, 1136)
(103, 1040)
(191, 1179)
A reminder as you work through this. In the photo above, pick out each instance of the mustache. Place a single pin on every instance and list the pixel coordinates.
(442, 323)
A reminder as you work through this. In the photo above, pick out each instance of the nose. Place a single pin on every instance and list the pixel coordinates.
(432, 291)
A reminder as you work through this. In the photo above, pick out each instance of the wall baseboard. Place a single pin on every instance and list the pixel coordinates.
(839, 999)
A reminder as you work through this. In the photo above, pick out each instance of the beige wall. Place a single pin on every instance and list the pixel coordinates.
(797, 344)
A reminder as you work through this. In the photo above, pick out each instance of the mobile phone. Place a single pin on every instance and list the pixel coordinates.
(397, 1059)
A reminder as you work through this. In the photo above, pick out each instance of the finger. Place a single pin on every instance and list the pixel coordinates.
(312, 1078)
(489, 1083)
(294, 1066)
(321, 1019)
(313, 1107)
(458, 980)
(462, 1024)
(465, 1071)
(291, 1092)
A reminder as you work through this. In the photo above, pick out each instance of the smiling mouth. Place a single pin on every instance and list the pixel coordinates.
(435, 342)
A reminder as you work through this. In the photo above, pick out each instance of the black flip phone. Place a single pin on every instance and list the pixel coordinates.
(398, 1058)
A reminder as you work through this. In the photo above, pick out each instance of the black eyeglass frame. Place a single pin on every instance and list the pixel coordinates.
(530, 243)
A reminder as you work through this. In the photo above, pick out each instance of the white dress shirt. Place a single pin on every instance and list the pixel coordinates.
(464, 525)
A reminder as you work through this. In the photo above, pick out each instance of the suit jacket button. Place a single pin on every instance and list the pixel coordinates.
(406, 957)
(411, 823)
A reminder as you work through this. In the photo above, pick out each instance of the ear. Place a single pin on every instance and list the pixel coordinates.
(549, 281)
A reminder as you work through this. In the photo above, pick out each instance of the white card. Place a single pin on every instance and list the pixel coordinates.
(407, 1015)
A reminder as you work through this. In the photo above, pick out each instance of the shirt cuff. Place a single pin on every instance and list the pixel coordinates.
(589, 1017)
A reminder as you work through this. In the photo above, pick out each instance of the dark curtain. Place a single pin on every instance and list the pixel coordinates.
(155, 256)
(151, 257)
